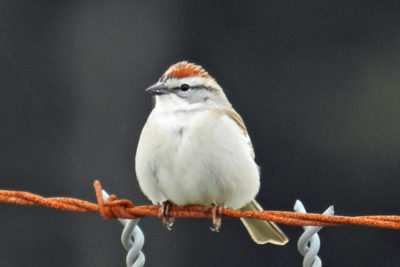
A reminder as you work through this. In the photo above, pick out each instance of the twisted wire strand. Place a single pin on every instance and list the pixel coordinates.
(115, 208)
(309, 242)
(132, 239)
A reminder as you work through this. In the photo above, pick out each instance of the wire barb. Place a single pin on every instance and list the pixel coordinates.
(309, 242)
(132, 239)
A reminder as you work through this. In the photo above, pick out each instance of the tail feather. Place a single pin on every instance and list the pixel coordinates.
(261, 231)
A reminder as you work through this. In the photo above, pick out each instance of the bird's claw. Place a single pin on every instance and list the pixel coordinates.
(216, 212)
(163, 213)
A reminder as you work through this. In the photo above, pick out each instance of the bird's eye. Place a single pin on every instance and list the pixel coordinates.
(185, 87)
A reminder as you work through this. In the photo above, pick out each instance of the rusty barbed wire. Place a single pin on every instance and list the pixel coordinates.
(123, 208)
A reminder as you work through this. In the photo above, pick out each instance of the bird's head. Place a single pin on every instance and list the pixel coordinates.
(187, 86)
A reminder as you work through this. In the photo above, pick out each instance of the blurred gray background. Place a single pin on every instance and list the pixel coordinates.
(317, 83)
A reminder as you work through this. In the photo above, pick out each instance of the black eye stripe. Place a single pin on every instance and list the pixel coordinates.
(198, 87)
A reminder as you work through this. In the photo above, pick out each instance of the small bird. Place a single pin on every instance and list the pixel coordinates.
(195, 149)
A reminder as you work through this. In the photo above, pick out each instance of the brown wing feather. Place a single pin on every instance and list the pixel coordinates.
(231, 113)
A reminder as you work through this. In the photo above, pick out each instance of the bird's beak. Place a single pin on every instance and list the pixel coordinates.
(157, 89)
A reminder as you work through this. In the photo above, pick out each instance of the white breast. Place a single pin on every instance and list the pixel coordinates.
(195, 157)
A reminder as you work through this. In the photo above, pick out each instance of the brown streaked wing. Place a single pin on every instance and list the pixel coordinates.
(231, 113)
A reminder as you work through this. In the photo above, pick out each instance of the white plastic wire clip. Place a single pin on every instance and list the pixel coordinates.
(132, 240)
(309, 242)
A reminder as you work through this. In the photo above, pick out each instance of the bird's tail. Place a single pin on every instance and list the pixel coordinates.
(261, 231)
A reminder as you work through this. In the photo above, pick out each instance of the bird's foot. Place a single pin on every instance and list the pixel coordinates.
(216, 212)
(163, 213)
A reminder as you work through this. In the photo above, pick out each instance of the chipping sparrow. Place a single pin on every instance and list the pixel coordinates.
(195, 149)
